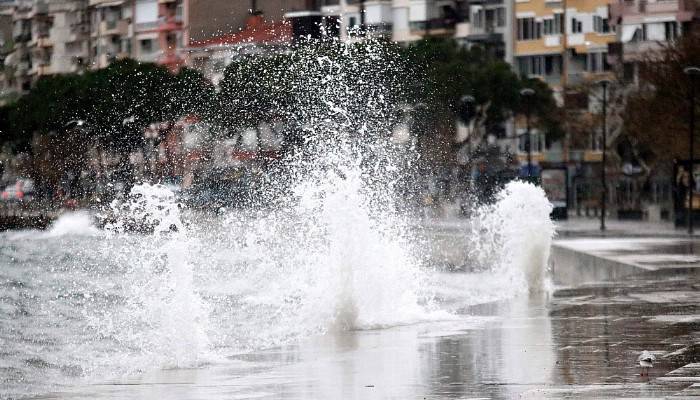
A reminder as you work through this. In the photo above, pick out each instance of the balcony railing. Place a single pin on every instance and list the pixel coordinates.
(433, 24)
(627, 8)
(147, 26)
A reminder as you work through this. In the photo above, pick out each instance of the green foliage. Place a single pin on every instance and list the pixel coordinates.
(277, 87)
(446, 71)
(104, 99)
(255, 88)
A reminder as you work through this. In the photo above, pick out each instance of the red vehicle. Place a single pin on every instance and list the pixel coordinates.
(20, 190)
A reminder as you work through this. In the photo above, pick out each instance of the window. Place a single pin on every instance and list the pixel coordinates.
(126, 46)
(597, 62)
(559, 23)
(671, 30)
(528, 29)
(478, 18)
(146, 45)
(554, 25)
(490, 17)
(549, 65)
(501, 16)
(576, 26)
(600, 24)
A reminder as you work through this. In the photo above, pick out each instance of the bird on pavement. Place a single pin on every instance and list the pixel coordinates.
(646, 361)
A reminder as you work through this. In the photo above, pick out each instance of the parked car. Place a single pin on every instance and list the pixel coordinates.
(20, 190)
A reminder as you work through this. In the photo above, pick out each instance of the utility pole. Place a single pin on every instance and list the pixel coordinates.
(527, 94)
(692, 72)
(362, 17)
(603, 177)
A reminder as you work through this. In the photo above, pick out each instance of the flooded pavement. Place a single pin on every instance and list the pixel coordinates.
(577, 343)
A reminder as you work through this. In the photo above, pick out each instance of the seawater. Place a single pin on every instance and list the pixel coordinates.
(332, 248)
(82, 305)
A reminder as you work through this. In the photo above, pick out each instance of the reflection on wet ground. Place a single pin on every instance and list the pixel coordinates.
(576, 343)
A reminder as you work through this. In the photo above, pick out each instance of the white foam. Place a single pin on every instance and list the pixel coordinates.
(514, 236)
(79, 223)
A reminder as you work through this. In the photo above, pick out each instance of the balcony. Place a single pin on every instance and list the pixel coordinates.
(43, 70)
(485, 2)
(489, 33)
(639, 50)
(22, 67)
(637, 8)
(114, 27)
(378, 12)
(168, 24)
(108, 3)
(631, 51)
(23, 36)
(437, 26)
(44, 42)
(149, 57)
(147, 26)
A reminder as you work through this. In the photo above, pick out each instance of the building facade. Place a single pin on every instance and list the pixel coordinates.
(49, 37)
(643, 27)
(111, 31)
(565, 44)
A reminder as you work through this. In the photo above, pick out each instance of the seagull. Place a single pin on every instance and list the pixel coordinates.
(646, 360)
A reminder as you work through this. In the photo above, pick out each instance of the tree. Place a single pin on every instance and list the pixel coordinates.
(656, 114)
(116, 103)
(446, 71)
(255, 88)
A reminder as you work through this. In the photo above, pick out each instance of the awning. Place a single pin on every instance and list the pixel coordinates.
(115, 3)
(628, 32)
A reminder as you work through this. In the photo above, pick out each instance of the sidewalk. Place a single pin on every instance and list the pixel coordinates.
(590, 227)
(582, 253)
(632, 288)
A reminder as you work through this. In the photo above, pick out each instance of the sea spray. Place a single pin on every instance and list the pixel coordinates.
(513, 235)
(162, 320)
(73, 223)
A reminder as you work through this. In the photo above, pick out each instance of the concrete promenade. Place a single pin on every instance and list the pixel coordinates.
(643, 281)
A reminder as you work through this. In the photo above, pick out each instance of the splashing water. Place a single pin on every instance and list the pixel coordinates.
(328, 246)
(163, 316)
(517, 233)
(75, 223)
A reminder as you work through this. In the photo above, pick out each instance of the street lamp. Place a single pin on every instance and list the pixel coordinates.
(466, 113)
(73, 124)
(692, 72)
(467, 109)
(604, 83)
(527, 94)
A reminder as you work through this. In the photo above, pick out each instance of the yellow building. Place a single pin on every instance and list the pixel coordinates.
(541, 48)
(564, 43)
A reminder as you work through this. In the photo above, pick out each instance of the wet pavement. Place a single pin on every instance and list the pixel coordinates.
(615, 228)
(645, 253)
(576, 343)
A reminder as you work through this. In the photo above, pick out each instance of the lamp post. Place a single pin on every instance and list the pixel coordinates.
(603, 197)
(692, 72)
(527, 94)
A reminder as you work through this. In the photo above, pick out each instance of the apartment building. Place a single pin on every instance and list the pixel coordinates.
(562, 42)
(68, 24)
(21, 60)
(111, 31)
(490, 25)
(643, 26)
(565, 44)
(49, 37)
